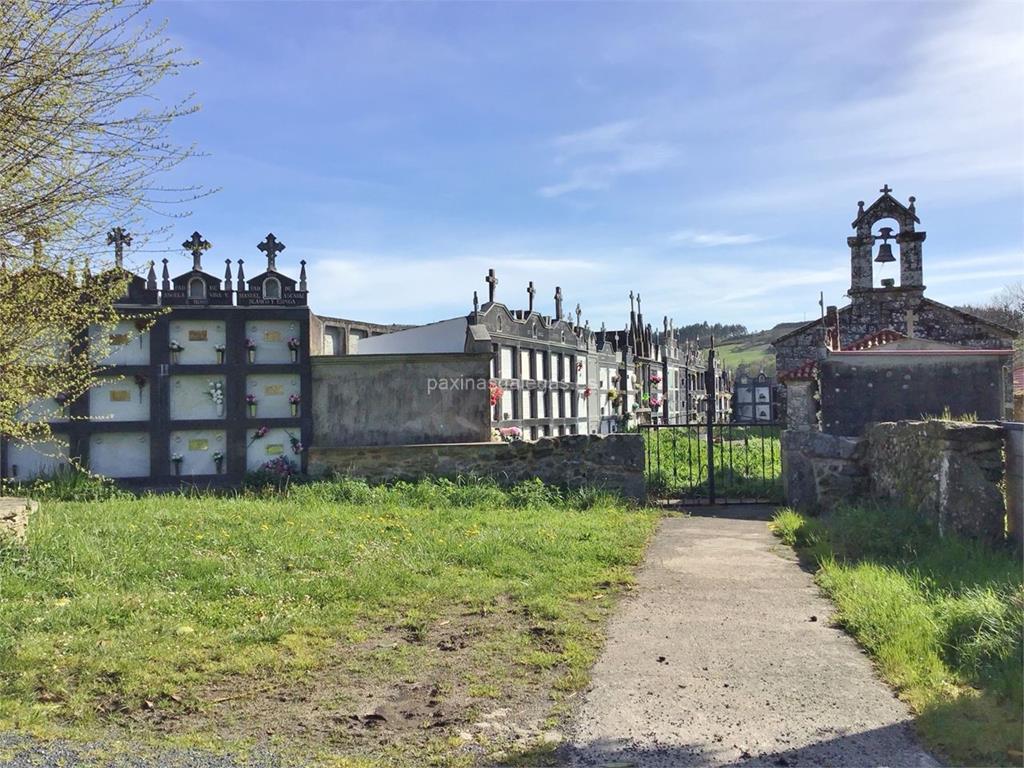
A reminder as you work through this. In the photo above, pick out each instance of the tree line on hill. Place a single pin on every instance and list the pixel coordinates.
(703, 331)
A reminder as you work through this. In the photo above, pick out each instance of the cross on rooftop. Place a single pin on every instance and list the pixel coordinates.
(632, 306)
(271, 246)
(885, 190)
(492, 283)
(531, 291)
(196, 245)
(118, 238)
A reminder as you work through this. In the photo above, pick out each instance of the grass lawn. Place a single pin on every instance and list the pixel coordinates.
(748, 462)
(374, 624)
(943, 620)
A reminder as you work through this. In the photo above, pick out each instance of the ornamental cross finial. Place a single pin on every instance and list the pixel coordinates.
(530, 290)
(885, 190)
(638, 310)
(632, 305)
(196, 245)
(579, 314)
(492, 283)
(271, 246)
(118, 238)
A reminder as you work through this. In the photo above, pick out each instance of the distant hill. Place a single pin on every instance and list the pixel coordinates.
(753, 351)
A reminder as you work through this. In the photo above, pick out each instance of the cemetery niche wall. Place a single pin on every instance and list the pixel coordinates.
(216, 386)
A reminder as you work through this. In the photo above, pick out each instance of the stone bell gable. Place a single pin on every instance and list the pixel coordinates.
(879, 302)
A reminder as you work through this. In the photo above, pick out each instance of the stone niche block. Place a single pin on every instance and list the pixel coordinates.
(272, 391)
(277, 442)
(197, 448)
(119, 401)
(271, 339)
(191, 399)
(126, 345)
(199, 339)
(119, 454)
(26, 462)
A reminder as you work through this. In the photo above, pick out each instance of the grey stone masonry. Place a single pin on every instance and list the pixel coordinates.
(14, 514)
(948, 472)
(608, 462)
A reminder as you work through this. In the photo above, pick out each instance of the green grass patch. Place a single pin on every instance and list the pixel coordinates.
(115, 606)
(943, 619)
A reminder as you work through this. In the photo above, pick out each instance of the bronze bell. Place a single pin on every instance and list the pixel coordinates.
(885, 250)
(885, 254)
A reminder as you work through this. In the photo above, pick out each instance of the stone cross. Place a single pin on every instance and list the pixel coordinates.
(579, 314)
(476, 303)
(118, 238)
(558, 302)
(196, 245)
(638, 310)
(885, 189)
(530, 290)
(632, 306)
(492, 283)
(910, 318)
(271, 246)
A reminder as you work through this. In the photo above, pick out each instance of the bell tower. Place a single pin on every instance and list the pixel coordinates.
(862, 246)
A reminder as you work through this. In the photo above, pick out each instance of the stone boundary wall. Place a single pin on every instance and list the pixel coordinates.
(609, 462)
(1014, 453)
(948, 472)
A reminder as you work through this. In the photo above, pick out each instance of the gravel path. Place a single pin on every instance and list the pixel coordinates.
(725, 656)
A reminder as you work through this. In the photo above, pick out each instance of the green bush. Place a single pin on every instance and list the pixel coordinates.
(67, 485)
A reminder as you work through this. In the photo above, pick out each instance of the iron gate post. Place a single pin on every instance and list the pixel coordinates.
(709, 386)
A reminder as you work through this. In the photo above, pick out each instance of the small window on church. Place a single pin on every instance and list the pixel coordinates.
(196, 288)
(271, 288)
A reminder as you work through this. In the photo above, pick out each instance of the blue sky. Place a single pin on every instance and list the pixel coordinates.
(708, 155)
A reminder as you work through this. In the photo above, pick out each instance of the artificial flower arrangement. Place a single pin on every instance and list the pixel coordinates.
(296, 444)
(655, 378)
(510, 434)
(176, 349)
(250, 349)
(176, 459)
(218, 461)
(495, 392)
(293, 346)
(259, 434)
(140, 382)
(586, 392)
(216, 392)
(613, 394)
(654, 402)
(293, 401)
(250, 400)
(281, 466)
(219, 349)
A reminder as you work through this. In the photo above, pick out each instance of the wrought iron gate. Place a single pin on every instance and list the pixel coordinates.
(717, 463)
(713, 461)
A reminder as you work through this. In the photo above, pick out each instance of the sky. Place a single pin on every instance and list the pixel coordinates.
(708, 156)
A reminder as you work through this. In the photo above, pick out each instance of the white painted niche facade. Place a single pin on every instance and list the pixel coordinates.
(119, 454)
(271, 339)
(126, 345)
(277, 442)
(25, 462)
(272, 391)
(199, 340)
(192, 397)
(198, 449)
(122, 400)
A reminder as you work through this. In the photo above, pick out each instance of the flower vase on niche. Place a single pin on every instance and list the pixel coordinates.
(293, 401)
(176, 460)
(250, 401)
(219, 349)
(293, 349)
(250, 350)
(176, 349)
(218, 462)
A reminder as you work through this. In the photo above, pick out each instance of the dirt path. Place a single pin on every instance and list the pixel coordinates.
(726, 657)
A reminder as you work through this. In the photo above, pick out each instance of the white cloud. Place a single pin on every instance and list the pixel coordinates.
(605, 153)
(713, 239)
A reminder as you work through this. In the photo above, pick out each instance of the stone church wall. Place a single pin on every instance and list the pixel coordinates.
(609, 462)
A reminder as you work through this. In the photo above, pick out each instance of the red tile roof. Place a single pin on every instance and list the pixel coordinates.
(806, 371)
(877, 339)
